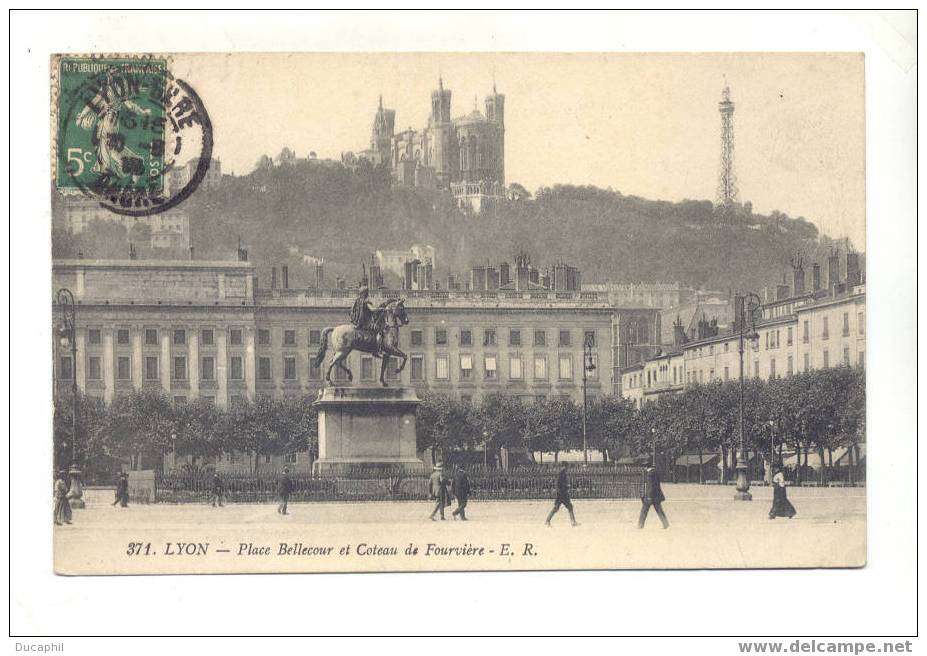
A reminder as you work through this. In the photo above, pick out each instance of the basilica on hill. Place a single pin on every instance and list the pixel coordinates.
(465, 155)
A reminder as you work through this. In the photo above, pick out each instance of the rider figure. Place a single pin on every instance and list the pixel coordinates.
(363, 315)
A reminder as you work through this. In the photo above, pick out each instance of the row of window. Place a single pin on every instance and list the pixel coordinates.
(207, 369)
(207, 337)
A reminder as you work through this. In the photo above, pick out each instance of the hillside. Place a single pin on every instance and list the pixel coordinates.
(330, 212)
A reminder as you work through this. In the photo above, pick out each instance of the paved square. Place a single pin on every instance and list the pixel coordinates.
(708, 529)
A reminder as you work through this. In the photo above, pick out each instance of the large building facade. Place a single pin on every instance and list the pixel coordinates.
(199, 329)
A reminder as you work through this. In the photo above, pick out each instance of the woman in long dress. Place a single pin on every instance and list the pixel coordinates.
(781, 507)
(62, 505)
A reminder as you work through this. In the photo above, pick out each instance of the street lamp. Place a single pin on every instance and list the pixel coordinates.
(746, 308)
(485, 444)
(588, 367)
(173, 450)
(67, 338)
(653, 446)
(772, 448)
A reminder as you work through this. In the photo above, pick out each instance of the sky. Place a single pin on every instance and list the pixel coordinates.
(642, 124)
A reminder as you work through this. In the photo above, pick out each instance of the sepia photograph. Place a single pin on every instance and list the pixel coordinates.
(303, 299)
(451, 319)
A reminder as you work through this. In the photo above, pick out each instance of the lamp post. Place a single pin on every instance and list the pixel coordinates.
(173, 450)
(772, 447)
(67, 338)
(485, 444)
(588, 366)
(653, 446)
(746, 308)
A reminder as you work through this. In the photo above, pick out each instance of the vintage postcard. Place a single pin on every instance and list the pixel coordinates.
(369, 312)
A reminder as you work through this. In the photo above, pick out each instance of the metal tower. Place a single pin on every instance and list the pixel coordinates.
(727, 180)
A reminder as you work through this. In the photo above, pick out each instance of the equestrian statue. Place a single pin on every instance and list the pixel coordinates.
(373, 330)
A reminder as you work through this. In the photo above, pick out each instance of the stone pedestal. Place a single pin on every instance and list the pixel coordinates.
(361, 427)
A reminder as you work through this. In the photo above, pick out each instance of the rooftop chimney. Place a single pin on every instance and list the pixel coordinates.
(191, 252)
(798, 277)
(285, 274)
(273, 277)
(854, 276)
(815, 277)
(319, 274)
(833, 270)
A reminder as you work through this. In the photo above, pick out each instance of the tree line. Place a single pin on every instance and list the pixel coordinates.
(813, 412)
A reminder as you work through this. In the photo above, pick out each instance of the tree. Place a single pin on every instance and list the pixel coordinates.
(138, 428)
(610, 424)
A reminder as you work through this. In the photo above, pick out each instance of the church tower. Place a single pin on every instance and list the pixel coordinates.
(381, 139)
(440, 135)
(495, 115)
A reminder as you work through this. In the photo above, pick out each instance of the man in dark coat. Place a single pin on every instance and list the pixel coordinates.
(283, 491)
(651, 495)
(563, 496)
(217, 490)
(460, 488)
(362, 310)
(122, 491)
(438, 487)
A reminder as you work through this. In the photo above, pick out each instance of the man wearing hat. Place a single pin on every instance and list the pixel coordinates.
(283, 491)
(437, 485)
(122, 491)
(563, 496)
(460, 489)
(362, 314)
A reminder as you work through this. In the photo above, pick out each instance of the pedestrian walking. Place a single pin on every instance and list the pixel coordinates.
(122, 491)
(460, 488)
(283, 491)
(62, 505)
(563, 496)
(781, 507)
(437, 485)
(217, 490)
(651, 495)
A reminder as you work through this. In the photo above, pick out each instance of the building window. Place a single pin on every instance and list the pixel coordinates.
(489, 337)
(861, 358)
(366, 368)
(788, 367)
(94, 371)
(540, 338)
(489, 367)
(94, 336)
(315, 371)
(514, 337)
(772, 367)
(151, 336)
(727, 347)
(440, 337)
(180, 400)
(807, 362)
(589, 338)
(515, 368)
(861, 323)
(756, 368)
(64, 368)
(564, 338)
(315, 337)
(209, 400)
(180, 368)
(846, 356)
(122, 337)
(805, 331)
(180, 337)
(235, 337)
(208, 368)
(235, 368)
(788, 336)
(466, 338)
(711, 375)
(289, 338)
(565, 368)
(540, 367)
(151, 368)
(123, 371)
(417, 368)
(290, 458)
(466, 367)
(415, 338)
(264, 368)
(264, 336)
(826, 358)
(207, 337)
(441, 367)
(825, 330)
(289, 368)
(727, 374)
(846, 324)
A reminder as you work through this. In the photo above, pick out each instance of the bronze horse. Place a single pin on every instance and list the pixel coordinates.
(388, 318)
